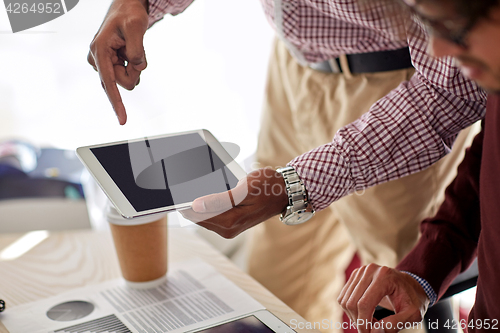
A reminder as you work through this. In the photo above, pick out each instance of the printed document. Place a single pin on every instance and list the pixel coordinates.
(194, 295)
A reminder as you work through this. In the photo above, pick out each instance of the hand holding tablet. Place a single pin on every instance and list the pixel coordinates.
(190, 172)
(258, 197)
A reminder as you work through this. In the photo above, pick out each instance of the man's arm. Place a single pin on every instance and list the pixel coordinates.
(117, 50)
(446, 248)
(405, 132)
(448, 244)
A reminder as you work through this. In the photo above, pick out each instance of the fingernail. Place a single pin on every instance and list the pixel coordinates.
(199, 206)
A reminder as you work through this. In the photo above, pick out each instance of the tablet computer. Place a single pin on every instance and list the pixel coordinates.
(261, 321)
(161, 173)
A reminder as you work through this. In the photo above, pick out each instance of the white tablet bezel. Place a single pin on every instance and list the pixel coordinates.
(116, 196)
(266, 317)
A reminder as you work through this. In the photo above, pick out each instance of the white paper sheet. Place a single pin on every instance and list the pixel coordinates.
(195, 295)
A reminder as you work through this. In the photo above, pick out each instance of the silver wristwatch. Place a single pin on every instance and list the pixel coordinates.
(299, 210)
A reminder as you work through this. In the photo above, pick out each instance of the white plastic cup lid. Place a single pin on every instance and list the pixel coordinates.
(147, 284)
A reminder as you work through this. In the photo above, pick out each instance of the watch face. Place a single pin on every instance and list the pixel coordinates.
(297, 218)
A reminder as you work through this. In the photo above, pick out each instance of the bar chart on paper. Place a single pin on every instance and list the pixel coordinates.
(108, 324)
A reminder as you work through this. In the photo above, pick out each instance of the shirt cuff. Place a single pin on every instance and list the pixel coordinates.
(156, 11)
(427, 287)
(159, 8)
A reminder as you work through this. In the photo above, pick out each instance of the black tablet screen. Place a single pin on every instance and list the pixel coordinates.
(156, 173)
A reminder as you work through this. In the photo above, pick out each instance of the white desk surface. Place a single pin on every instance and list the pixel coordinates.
(72, 259)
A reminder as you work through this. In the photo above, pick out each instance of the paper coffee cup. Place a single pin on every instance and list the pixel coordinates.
(141, 247)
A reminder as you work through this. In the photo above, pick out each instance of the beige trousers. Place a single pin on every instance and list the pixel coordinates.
(305, 265)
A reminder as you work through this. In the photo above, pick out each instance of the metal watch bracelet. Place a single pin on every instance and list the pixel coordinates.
(297, 197)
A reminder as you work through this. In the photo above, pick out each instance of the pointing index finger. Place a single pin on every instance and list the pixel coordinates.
(106, 71)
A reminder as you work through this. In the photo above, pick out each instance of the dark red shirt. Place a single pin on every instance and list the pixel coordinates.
(468, 225)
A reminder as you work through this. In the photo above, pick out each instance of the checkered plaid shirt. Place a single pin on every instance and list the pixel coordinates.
(404, 132)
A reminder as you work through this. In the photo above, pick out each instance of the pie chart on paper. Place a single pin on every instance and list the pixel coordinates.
(69, 311)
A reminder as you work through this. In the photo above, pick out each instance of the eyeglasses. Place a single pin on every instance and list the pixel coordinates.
(448, 29)
(453, 30)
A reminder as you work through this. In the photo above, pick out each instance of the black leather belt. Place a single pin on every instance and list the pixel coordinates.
(372, 62)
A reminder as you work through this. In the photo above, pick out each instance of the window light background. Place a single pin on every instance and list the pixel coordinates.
(206, 69)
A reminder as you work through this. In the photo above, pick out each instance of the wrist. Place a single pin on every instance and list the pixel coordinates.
(268, 187)
(128, 8)
(278, 192)
(423, 289)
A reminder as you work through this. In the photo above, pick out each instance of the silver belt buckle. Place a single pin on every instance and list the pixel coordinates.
(333, 64)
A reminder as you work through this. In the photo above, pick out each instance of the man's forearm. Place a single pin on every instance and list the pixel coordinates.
(403, 133)
(449, 240)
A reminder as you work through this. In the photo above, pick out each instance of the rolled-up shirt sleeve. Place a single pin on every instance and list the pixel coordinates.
(448, 245)
(159, 8)
(405, 132)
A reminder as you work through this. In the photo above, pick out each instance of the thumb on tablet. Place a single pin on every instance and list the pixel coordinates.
(219, 202)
